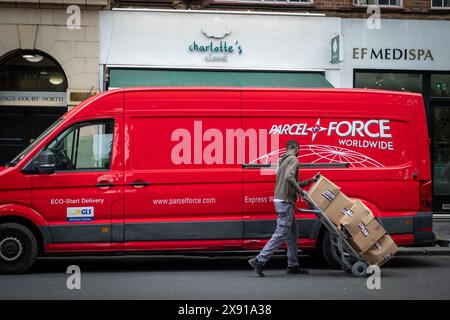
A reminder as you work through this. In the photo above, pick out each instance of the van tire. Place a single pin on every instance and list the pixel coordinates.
(18, 248)
(330, 253)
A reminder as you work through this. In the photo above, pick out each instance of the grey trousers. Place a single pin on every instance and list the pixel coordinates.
(286, 230)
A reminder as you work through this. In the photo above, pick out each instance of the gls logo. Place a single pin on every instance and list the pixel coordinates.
(80, 214)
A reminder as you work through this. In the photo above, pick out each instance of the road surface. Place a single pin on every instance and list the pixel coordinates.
(137, 277)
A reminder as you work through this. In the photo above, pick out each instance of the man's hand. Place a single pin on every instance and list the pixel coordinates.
(301, 193)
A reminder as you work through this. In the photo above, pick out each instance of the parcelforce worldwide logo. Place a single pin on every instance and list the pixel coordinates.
(316, 129)
(357, 128)
(371, 133)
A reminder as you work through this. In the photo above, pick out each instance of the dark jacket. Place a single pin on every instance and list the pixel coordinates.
(286, 185)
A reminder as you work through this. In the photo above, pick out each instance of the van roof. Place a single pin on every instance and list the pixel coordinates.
(399, 94)
(209, 88)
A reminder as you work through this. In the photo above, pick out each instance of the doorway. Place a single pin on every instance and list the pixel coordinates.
(19, 126)
(441, 156)
(32, 96)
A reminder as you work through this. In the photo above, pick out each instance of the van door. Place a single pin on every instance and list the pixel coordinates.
(180, 190)
(261, 111)
(79, 199)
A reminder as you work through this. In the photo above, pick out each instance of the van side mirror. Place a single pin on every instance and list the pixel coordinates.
(45, 162)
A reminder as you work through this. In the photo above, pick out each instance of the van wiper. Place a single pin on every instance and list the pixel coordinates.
(10, 164)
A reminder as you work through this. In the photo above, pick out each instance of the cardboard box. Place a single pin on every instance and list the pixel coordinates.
(367, 236)
(382, 251)
(323, 192)
(335, 211)
(358, 213)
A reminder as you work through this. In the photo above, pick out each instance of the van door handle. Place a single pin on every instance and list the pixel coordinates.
(139, 183)
(104, 184)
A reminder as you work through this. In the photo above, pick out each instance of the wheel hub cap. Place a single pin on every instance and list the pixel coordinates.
(11, 248)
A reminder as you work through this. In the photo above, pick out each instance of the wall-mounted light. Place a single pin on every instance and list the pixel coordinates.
(32, 57)
(56, 79)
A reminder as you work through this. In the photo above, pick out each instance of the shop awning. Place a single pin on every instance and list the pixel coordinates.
(119, 78)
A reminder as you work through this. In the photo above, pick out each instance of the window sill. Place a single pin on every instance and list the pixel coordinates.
(384, 8)
(439, 9)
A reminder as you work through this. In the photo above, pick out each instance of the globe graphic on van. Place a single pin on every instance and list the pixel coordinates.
(318, 153)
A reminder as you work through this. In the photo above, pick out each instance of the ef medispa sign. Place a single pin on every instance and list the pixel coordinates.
(33, 99)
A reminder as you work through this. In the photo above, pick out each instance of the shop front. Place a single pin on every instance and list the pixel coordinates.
(407, 55)
(208, 48)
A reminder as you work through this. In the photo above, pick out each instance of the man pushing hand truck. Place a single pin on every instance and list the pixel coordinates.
(287, 189)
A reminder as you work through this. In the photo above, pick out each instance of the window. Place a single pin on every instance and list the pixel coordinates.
(441, 163)
(31, 70)
(411, 82)
(276, 1)
(440, 85)
(85, 146)
(440, 4)
(386, 3)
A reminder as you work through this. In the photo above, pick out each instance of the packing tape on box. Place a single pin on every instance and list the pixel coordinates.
(388, 256)
(327, 194)
(378, 245)
(363, 228)
(347, 212)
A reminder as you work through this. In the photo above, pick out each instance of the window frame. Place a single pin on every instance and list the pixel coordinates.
(66, 131)
(388, 71)
(361, 5)
(269, 2)
(441, 7)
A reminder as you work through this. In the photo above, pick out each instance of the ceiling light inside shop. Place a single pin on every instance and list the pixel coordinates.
(32, 57)
(56, 80)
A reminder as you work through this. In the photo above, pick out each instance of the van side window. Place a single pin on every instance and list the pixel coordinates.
(84, 146)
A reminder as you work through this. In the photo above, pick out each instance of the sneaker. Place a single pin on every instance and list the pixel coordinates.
(258, 267)
(297, 270)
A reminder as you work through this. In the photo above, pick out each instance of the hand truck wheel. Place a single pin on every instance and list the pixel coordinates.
(359, 269)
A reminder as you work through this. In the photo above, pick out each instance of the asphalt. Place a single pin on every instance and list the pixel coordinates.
(204, 278)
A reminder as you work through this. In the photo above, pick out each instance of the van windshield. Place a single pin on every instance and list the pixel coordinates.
(20, 156)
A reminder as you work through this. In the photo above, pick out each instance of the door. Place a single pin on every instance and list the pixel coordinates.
(180, 191)
(80, 198)
(441, 157)
(20, 125)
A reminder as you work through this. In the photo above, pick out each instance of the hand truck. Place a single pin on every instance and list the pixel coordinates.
(351, 260)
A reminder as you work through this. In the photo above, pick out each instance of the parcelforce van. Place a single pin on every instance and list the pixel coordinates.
(177, 169)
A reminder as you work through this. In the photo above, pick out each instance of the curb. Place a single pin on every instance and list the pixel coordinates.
(431, 251)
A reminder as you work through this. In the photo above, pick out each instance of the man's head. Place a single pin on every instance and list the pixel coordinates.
(292, 146)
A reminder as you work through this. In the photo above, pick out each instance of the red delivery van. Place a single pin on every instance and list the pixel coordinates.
(182, 169)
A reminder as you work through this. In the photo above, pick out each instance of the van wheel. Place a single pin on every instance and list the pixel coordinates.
(18, 248)
(330, 251)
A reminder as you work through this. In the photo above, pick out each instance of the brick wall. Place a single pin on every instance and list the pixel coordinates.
(83, 4)
(411, 9)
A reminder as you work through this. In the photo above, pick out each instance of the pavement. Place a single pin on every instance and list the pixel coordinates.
(205, 278)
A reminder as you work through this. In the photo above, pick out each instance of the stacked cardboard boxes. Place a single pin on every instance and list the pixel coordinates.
(355, 220)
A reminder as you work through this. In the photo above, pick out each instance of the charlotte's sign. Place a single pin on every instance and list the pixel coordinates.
(216, 49)
(392, 54)
(33, 98)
